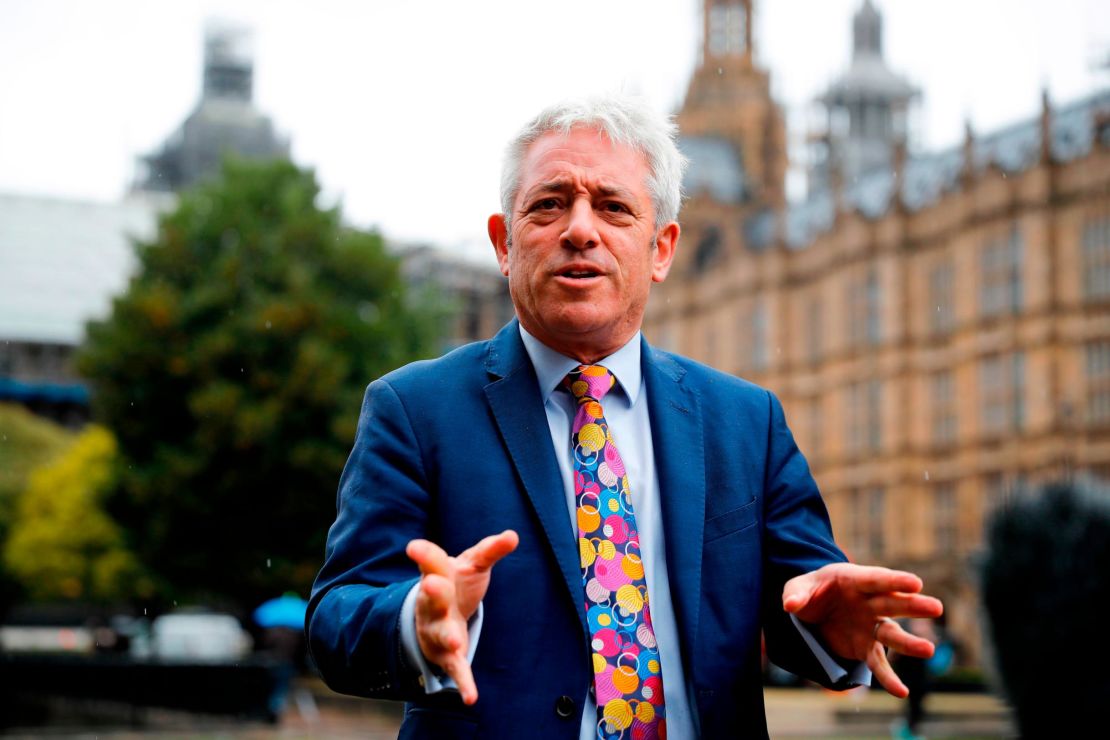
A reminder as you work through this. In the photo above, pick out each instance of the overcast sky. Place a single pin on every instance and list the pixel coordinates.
(403, 108)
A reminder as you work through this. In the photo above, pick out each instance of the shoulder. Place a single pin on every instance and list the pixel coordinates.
(709, 381)
(463, 365)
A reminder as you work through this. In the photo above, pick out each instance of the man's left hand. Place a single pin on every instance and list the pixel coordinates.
(851, 608)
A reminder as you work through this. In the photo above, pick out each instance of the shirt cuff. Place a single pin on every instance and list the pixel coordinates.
(860, 675)
(432, 677)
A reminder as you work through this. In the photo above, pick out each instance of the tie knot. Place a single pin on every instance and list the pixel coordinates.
(590, 381)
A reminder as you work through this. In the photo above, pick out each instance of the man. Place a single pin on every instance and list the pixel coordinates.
(581, 533)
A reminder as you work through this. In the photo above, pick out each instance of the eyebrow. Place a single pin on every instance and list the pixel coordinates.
(561, 184)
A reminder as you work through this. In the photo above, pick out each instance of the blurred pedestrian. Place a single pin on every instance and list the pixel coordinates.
(1046, 589)
(915, 673)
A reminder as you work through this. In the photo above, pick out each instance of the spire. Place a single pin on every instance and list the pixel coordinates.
(224, 121)
(228, 65)
(867, 108)
(867, 32)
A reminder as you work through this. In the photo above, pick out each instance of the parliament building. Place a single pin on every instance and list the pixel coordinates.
(936, 324)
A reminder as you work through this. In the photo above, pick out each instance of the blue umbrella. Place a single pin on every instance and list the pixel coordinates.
(284, 611)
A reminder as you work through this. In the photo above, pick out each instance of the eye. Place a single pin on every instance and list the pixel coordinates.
(546, 204)
(612, 206)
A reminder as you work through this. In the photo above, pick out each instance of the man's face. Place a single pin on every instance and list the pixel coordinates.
(584, 248)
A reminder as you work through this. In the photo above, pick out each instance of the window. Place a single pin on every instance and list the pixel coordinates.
(875, 500)
(727, 29)
(1002, 393)
(864, 416)
(1098, 382)
(814, 330)
(874, 316)
(864, 310)
(758, 346)
(1096, 257)
(853, 523)
(7, 358)
(999, 489)
(945, 522)
(941, 309)
(751, 344)
(708, 250)
(816, 428)
(866, 514)
(942, 403)
(874, 415)
(1000, 273)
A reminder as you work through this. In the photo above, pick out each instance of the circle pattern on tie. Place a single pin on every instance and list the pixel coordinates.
(628, 682)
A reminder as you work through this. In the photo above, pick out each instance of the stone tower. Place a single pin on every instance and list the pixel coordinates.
(224, 122)
(730, 97)
(867, 110)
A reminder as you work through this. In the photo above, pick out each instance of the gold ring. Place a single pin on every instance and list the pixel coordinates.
(878, 624)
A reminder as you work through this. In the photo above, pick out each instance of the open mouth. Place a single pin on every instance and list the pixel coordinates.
(579, 274)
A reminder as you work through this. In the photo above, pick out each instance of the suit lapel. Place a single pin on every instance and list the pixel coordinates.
(515, 401)
(676, 430)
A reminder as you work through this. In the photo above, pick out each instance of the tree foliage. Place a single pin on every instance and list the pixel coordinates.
(232, 372)
(26, 442)
(62, 544)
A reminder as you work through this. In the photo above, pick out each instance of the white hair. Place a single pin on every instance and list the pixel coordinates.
(626, 120)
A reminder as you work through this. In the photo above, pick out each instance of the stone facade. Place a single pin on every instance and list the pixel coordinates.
(938, 331)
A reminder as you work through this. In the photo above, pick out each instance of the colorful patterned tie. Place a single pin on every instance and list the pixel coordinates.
(627, 677)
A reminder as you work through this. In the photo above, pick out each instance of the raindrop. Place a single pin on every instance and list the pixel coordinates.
(926, 475)
(240, 369)
(3, 438)
(132, 403)
(368, 312)
(720, 71)
(269, 325)
(267, 562)
(175, 602)
(144, 611)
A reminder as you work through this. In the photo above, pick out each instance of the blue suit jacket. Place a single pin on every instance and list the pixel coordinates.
(458, 448)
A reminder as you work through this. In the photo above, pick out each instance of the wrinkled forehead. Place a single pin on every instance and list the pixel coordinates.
(587, 151)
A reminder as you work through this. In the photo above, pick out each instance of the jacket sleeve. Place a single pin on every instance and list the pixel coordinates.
(798, 539)
(353, 615)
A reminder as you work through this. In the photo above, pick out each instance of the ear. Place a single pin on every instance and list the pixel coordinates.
(499, 237)
(666, 241)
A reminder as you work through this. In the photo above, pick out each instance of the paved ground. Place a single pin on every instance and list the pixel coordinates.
(317, 714)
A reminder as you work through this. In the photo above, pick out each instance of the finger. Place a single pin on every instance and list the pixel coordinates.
(798, 591)
(884, 674)
(489, 550)
(458, 668)
(905, 605)
(874, 579)
(435, 598)
(429, 556)
(892, 635)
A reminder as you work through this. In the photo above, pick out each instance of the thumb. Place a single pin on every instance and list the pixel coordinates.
(797, 592)
(489, 550)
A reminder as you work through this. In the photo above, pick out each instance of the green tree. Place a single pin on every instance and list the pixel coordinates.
(232, 372)
(62, 544)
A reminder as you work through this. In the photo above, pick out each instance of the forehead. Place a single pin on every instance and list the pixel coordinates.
(587, 156)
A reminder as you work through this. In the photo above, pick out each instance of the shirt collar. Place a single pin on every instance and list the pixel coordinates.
(551, 366)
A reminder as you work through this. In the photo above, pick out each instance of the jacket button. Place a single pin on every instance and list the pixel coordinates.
(564, 707)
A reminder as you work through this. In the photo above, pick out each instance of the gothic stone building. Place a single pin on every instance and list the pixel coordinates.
(937, 325)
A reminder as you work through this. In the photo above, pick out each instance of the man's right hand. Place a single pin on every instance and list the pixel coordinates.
(450, 590)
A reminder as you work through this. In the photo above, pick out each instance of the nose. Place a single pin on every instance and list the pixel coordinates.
(581, 227)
